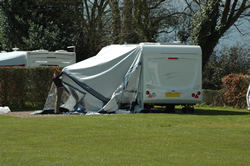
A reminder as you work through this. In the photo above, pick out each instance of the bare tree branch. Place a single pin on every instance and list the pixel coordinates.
(190, 6)
(156, 5)
(238, 29)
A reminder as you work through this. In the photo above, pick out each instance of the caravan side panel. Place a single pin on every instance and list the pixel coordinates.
(172, 74)
(43, 58)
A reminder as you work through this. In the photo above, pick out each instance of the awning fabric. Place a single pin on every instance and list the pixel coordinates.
(106, 82)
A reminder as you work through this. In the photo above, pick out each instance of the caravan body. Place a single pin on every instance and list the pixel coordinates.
(46, 58)
(37, 58)
(146, 74)
(171, 74)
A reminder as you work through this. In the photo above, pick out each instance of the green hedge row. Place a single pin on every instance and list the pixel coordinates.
(22, 85)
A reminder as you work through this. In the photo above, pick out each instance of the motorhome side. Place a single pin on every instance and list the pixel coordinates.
(171, 75)
(60, 58)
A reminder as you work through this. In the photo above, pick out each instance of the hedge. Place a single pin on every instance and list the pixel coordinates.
(22, 85)
(235, 89)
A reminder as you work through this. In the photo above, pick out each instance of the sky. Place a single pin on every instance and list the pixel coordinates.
(232, 36)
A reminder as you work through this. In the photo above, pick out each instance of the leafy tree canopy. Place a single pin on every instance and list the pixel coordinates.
(36, 24)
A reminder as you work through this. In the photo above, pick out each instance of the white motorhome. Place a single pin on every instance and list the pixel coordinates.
(145, 75)
(60, 58)
(172, 75)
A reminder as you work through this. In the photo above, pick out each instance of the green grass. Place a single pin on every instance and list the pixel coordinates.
(210, 136)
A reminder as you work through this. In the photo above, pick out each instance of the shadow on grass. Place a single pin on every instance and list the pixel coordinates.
(219, 112)
(204, 112)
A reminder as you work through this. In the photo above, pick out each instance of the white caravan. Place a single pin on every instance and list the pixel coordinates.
(60, 58)
(135, 77)
(172, 75)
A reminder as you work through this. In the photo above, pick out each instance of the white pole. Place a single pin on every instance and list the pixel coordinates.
(248, 97)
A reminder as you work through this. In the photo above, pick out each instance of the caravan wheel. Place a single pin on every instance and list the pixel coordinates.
(147, 108)
(170, 108)
(188, 109)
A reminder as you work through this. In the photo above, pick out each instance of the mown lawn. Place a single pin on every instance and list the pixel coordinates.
(210, 136)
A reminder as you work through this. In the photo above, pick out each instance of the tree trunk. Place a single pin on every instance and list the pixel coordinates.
(116, 21)
(211, 24)
(127, 28)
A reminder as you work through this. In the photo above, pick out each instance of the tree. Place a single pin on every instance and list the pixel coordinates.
(214, 18)
(135, 21)
(11, 27)
(55, 25)
(212, 74)
(149, 17)
(116, 21)
(127, 31)
(92, 24)
(234, 59)
(36, 24)
(228, 60)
